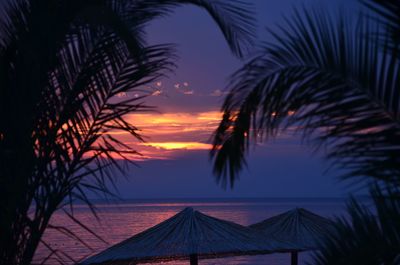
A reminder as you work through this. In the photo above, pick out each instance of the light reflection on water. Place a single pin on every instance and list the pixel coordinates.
(120, 221)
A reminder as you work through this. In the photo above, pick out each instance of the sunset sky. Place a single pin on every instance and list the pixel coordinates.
(174, 161)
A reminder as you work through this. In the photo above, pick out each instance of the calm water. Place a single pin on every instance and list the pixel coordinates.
(122, 220)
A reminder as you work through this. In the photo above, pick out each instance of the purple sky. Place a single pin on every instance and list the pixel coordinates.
(189, 102)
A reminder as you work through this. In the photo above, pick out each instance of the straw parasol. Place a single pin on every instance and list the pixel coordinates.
(188, 235)
(304, 229)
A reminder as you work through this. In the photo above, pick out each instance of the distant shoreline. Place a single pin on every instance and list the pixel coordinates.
(202, 200)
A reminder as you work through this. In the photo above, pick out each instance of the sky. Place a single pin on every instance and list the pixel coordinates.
(175, 157)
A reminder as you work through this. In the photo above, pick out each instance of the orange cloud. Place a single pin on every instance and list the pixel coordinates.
(179, 145)
(169, 134)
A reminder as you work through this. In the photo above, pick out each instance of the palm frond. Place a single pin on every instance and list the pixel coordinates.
(388, 14)
(369, 235)
(62, 65)
(234, 18)
(326, 78)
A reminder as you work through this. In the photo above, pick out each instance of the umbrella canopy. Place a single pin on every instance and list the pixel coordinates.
(298, 226)
(186, 234)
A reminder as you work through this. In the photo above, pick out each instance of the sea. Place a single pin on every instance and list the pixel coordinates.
(117, 221)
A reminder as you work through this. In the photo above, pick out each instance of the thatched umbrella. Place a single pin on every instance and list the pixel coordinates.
(188, 234)
(304, 229)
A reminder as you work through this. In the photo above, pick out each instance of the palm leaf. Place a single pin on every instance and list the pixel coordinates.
(325, 77)
(62, 65)
(388, 15)
(234, 18)
(369, 235)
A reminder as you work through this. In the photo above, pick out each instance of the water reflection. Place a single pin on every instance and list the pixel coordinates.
(120, 221)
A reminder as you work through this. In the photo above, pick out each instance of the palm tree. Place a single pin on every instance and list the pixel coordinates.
(62, 65)
(337, 80)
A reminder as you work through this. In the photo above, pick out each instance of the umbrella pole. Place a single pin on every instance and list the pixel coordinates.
(194, 259)
(295, 258)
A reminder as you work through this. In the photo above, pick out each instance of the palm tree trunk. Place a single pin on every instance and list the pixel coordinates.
(16, 169)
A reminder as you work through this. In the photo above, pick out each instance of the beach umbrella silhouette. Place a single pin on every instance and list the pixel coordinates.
(302, 228)
(188, 235)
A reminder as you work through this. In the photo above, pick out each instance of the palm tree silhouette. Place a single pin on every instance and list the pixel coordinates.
(367, 235)
(62, 65)
(337, 80)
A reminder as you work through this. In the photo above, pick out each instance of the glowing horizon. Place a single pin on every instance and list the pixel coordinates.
(179, 145)
(169, 134)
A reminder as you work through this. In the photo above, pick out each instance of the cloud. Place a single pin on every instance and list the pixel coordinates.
(188, 92)
(171, 135)
(183, 88)
(218, 93)
(168, 135)
(179, 145)
(121, 94)
(157, 92)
